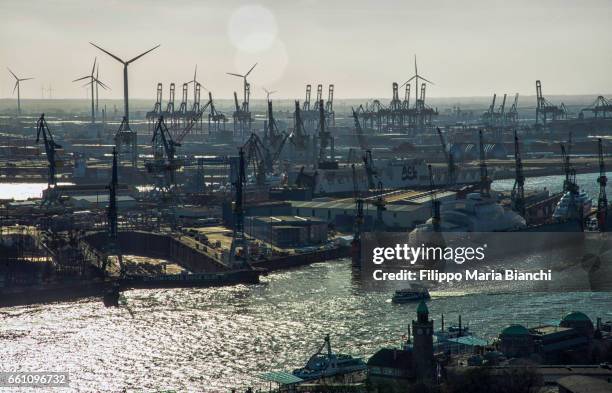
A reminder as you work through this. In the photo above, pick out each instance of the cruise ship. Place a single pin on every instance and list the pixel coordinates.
(393, 173)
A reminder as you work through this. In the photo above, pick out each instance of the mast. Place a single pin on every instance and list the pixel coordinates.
(518, 191)
(602, 200)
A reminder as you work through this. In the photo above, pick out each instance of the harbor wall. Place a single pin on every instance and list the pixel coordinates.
(295, 260)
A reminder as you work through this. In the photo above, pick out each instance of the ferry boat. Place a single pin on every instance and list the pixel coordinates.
(413, 293)
(328, 366)
(393, 173)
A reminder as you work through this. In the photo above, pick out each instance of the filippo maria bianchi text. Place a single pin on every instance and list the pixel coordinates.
(467, 275)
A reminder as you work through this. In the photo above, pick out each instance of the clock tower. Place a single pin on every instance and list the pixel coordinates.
(422, 330)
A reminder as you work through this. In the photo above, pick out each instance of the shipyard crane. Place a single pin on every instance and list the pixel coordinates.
(448, 156)
(164, 147)
(50, 147)
(238, 238)
(518, 190)
(435, 204)
(602, 200)
(273, 137)
(257, 154)
(299, 138)
(325, 139)
(485, 181)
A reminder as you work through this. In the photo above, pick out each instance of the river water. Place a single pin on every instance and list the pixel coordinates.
(214, 339)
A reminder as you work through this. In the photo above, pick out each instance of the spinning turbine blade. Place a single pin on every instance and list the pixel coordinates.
(108, 53)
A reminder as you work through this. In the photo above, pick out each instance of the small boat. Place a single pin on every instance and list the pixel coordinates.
(412, 294)
(326, 365)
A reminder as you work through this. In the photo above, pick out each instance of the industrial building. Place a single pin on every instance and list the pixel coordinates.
(287, 231)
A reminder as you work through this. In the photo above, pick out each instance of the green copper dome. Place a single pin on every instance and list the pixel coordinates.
(422, 308)
(515, 330)
(576, 316)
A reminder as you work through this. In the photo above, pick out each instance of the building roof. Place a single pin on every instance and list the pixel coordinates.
(281, 378)
(392, 358)
(515, 330)
(576, 316)
(583, 384)
(422, 308)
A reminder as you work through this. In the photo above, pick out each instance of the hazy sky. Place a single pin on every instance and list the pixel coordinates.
(467, 48)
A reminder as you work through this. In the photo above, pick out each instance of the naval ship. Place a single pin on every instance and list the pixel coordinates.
(392, 173)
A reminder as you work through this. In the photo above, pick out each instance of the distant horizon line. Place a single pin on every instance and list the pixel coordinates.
(336, 98)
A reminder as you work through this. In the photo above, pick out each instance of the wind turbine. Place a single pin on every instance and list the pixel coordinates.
(416, 77)
(268, 93)
(195, 82)
(246, 84)
(91, 84)
(99, 83)
(17, 84)
(125, 80)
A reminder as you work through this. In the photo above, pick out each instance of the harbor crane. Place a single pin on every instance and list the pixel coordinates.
(448, 156)
(545, 110)
(601, 108)
(42, 129)
(518, 191)
(602, 200)
(485, 181)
